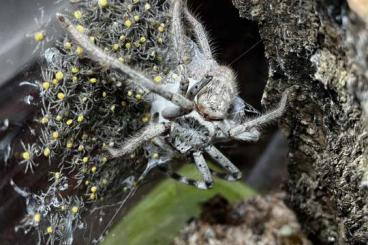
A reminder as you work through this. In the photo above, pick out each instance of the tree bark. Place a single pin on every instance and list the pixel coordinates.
(319, 49)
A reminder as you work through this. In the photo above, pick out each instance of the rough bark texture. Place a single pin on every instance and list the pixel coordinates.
(321, 47)
(260, 220)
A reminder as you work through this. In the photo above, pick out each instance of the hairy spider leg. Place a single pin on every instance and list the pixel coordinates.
(266, 118)
(178, 39)
(233, 173)
(250, 135)
(179, 48)
(177, 32)
(147, 133)
(99, 56)
(200, 33)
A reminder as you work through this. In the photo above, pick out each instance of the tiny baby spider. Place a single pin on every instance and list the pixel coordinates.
(28, 155)
(192, 111)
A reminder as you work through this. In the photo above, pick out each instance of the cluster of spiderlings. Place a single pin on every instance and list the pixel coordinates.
(87, 108)
(55, 217)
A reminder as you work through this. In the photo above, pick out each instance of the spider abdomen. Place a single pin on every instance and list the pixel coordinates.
(188, 134)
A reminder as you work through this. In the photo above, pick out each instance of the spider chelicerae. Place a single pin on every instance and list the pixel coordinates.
(191, 112)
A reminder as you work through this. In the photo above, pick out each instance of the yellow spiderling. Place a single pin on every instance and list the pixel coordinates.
(67, 45)
(138, 96)
(142, 40)
(55, 135)
(59, 75)
(69, 122)
(46, 152)
(44, 120)
(26, 155)
(80, 28)
(128, 45)
(57, 175)
(80, 118)
(77, 14)
(39, 36)
(37, 217)
(115, 47)
(157, 79)
(103, 3)
(49, 230)
(61, 96)
(80, 148)
(69, 144)
(147, 6)
(155, 155)
(79, 51)
(93, 80)
(93, 189)
(75, 209)
(75, 69)
(128, 23)
(45, 85)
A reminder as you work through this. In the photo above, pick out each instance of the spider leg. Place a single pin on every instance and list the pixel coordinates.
(251, 135)
(202, 167)
(145, 134)
(171, 113)
(224, 176)
(96, 54)
(200, 34)
(178, 39)
(178, 36)
(225, 163)
(178, 177)
(266, 118)
(182, 179)
(184, 82)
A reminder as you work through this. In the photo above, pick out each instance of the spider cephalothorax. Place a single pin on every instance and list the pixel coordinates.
(197, 107)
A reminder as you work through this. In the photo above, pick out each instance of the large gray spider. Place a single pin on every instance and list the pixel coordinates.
(191, 112)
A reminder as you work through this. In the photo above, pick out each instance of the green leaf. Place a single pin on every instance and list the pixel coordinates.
(159, 217)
